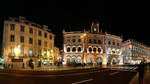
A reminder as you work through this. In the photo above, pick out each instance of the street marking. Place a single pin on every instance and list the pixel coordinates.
(113, 73)
(82, 81)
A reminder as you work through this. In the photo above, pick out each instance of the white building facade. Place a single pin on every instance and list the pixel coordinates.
(92, 47)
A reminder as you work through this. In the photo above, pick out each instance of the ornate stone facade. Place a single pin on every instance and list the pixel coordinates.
(92, 47)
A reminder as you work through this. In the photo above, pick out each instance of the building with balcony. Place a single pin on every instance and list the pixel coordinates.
(92, 47)
(135, 52)
(25, 41)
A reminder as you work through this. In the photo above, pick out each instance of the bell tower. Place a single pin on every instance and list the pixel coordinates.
(95, 27)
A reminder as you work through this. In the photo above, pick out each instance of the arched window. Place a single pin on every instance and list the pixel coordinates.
(90, 49)
(109, 42)
(68, 49)
(73, 49)
(94, 49)
(79, 49)
(99, 49)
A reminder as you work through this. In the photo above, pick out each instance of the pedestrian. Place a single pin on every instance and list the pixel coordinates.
(23, 65)
(141, 72)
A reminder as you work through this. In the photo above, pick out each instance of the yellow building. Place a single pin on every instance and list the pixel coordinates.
(25, 41)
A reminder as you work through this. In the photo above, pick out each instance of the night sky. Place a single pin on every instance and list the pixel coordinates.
(119, 17)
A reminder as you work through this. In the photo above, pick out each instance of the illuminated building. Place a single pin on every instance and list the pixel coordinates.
(134, 52)
(92, 47)
(24, 40)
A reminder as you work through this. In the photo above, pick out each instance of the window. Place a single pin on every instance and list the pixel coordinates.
(73, 40)
(94, 40)
(30, 40)
(30, 30)
(109, 42)
(22, 28)
(12, 49)
(118, 44)
(45, 52)
(50, 37)
(22, 39)
(39, 42)
(94, 49)
(45, 34)
(22, 51)
(79, 49)
(30, 52)
(99, 50)
(40, 33)
(12, 38)
(73, 49)
(39, 52)
(113, 43)
(90, 41)
(45, 44)
(90, 49)
(12, 26)
(68, 49)
(99, 42)
(79, 40)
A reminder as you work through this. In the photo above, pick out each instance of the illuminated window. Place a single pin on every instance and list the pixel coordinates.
(22, 28)
(94, 29)
(12, 27)
(31, 30)
(12, 38)
(30, 52)
(22, 39)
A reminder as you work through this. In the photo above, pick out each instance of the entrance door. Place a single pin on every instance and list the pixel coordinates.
(99, 61)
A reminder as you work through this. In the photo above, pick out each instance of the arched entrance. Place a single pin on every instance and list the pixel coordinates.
(79, 59)
(90, 60)
(99, 61)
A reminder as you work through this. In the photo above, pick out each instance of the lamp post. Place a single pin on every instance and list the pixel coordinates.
(83, 40)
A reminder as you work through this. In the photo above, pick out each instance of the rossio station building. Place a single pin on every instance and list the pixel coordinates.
(92, 47)
(24, 41)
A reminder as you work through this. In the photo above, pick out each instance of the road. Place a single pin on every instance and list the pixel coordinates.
(111, 75)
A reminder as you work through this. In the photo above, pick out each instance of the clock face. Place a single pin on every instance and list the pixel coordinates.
(94, 29)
